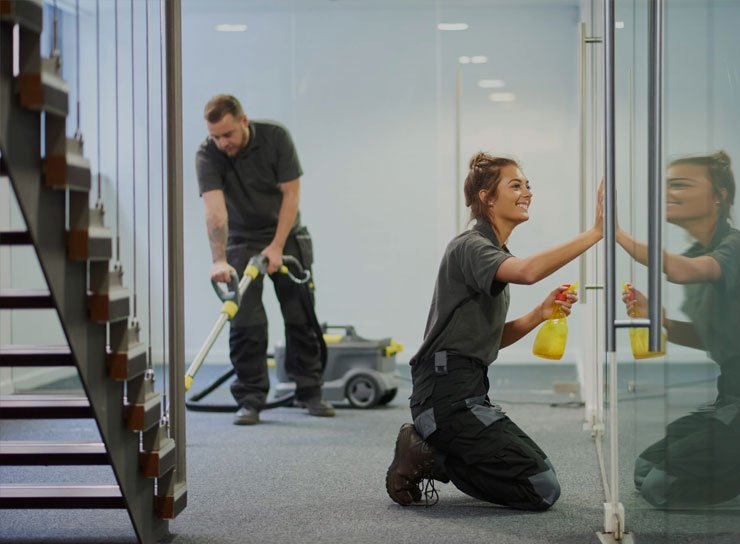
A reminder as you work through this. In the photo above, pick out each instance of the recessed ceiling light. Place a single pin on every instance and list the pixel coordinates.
(619, 24)
(464, 60)
(452, 26)
(478, 59)
(491, 83)
(502, 97)
(231, 28)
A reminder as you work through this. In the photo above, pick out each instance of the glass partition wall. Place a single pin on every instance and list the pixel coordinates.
(670, 441)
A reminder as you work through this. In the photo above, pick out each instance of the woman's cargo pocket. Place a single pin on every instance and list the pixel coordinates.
(484, 411)
(305, 246)
(470, 416)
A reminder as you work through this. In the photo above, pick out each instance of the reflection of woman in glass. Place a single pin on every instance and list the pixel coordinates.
(459, 435)
(698, 461)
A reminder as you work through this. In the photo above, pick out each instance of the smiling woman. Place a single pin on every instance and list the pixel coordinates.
(459, 434)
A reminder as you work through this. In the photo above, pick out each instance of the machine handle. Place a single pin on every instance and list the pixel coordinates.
(349, 330)
(232, 293)
(290, 260)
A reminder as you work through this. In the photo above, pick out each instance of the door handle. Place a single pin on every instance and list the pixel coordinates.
(655, 180)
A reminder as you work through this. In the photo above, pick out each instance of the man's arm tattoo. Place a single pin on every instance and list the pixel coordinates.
(217, 239)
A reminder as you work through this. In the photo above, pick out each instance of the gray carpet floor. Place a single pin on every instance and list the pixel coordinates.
(299, 479)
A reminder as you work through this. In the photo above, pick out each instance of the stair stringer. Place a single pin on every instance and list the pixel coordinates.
(44, 212)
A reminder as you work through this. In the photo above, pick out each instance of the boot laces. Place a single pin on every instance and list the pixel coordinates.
(429, 492)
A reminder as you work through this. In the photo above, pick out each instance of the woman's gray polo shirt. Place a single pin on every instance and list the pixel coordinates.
(713, 307)
(469, 306)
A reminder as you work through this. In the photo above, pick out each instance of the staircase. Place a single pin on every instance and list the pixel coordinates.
(90, 301)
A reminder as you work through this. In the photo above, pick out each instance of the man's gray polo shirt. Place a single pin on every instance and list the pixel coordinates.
(251, 180)
(469, 306)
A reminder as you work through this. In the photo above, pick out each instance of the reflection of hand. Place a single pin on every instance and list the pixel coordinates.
(558, 297)
(221, 271)
(599, 216)
(274, 256)
(634, 301)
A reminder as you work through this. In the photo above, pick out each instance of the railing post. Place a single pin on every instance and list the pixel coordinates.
(175, 495)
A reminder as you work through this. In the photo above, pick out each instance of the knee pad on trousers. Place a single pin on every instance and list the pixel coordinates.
(642, 469)
(655, 487)
(547, 486)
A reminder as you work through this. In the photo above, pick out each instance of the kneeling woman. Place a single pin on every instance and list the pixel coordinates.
(458, 434)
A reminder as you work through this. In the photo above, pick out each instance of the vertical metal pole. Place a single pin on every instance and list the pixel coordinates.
(582, 269)
(610, 258)
(458, 188)
(175, 241)
(655, 173)
(595, 152)
(609, 176)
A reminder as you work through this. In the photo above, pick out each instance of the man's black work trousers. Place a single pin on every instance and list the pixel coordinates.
(248, 337)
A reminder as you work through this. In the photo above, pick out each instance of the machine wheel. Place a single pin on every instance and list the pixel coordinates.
(363, 391)
(389, 396)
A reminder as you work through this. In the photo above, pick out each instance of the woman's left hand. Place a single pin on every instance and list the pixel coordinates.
(561, 297)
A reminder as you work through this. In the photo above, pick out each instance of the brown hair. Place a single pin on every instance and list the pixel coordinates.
(720, 172)
(484, 174)
(221, 105)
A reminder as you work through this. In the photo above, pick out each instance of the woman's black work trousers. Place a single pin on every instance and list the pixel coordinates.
(483, 452)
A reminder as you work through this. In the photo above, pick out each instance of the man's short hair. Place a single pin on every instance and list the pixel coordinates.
(221, 105)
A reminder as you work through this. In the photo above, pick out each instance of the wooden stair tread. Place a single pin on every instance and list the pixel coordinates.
(26, 355)
(15, 238)
(52, 453)
(60, 496)
(28, 14)
(44, 407)
(26, 299)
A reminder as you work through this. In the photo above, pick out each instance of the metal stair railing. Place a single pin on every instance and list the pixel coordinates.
(65, 258)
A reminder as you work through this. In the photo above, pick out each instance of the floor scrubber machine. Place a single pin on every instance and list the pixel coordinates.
(359, 370)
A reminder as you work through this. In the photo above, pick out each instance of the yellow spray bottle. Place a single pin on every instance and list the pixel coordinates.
(552, 336)
(639, 339)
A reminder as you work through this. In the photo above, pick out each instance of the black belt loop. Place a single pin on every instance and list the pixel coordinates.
(440, 363)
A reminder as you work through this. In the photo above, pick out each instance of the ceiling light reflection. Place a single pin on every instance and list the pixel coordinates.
(452, 26)
(225, 27)
(502, 97)
(491, 83)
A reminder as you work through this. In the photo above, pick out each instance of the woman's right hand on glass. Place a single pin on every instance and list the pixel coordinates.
(599, 215)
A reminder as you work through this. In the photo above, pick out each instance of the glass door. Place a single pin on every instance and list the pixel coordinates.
(672, 432)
